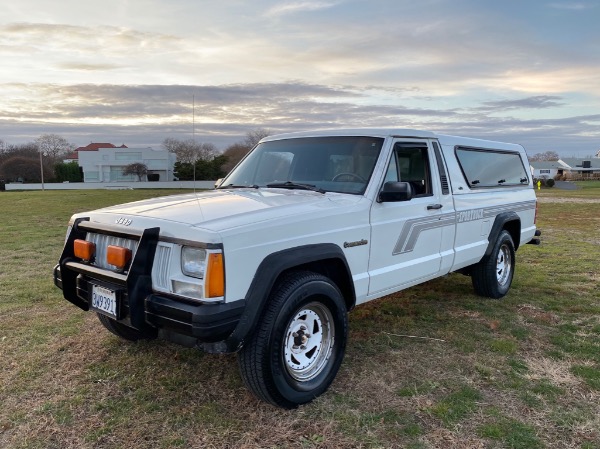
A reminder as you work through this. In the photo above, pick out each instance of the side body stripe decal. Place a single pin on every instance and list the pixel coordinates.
(412, 228)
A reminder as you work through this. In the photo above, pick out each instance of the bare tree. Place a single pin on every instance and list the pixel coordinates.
(22, 168)
(238, 150)
(545, 156)
(23, 161)
(137, 168)
(28, 150)
(234, 154)
(53, 145)
(190, 151)
(254, 136)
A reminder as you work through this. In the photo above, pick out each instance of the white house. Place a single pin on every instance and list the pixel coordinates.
(105, 162)
(546, 169)
(583, 168)
(572, 168)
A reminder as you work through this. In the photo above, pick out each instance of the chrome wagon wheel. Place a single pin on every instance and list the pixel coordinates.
(493, 275)
(297, 349)
(504, 265)
(308, 342)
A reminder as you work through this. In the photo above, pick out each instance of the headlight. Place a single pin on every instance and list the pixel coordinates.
(193, 261)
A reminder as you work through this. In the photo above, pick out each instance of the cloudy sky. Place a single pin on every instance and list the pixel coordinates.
(130, 71)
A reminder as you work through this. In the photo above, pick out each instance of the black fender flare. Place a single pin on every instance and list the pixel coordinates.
(266, 276)
(505, 220)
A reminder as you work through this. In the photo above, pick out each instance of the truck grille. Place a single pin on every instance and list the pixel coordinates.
(102, 241)
(161, 268)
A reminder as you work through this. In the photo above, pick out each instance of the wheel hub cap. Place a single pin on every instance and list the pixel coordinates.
(308, 342)
(503, 265)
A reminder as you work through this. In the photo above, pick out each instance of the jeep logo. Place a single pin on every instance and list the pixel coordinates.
(123, 221)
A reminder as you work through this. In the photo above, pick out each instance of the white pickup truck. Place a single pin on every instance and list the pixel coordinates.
(306, 227)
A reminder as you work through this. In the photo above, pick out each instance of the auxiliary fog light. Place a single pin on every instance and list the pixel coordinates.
(188, 289)
(118, 256)
(83, 249)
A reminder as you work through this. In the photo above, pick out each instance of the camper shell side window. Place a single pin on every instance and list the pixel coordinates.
(491, 168)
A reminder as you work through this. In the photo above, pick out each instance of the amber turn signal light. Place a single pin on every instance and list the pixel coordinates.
(215, 276)
(118, 256)
(83, 249)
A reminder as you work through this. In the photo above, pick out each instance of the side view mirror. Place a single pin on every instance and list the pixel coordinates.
(218, 182)
(395, 191)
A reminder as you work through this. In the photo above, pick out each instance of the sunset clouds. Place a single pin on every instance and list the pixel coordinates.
(522, 72)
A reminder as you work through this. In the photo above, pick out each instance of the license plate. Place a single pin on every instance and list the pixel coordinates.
(104, 300)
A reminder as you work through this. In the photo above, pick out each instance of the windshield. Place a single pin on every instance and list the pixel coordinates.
(329, 164)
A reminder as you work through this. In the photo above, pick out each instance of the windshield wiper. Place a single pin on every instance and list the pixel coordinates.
(295, 185)
(233, 186)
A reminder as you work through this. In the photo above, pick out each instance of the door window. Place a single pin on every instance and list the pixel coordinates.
(410, 163)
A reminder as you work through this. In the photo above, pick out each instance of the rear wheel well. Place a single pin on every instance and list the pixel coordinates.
(514, 229)
(512, 225)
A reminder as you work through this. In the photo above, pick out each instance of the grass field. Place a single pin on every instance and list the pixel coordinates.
(523, 372)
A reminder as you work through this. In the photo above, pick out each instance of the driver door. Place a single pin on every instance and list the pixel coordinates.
(406, 236)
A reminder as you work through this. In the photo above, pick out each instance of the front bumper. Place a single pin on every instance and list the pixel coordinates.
(203, 322)
(140, 307)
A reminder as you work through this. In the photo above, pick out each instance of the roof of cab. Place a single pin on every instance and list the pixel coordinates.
(374, 132)
(444, 139)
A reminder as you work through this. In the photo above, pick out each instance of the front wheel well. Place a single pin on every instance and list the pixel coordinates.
(333, 269)
(324, 259)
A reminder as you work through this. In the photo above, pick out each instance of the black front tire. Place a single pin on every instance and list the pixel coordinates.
(121, 330)
(298, 346)
(493, 276)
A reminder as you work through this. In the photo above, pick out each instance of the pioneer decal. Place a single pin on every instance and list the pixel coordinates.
(469, 215)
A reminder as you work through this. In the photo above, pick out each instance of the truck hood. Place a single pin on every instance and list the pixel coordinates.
(219, 210)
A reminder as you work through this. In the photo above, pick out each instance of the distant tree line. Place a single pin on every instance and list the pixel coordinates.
(195, 160)
(202, 161)
(25, 162)
(545, 156)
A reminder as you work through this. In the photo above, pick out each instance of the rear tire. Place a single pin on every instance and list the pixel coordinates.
(493, 276)
(121, 330)
(298, 346)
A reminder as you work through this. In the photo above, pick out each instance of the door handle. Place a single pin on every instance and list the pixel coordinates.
(434, 206)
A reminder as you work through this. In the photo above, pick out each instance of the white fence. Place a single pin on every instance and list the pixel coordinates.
(114, 185)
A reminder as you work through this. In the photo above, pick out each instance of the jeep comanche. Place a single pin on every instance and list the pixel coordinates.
(306, 227)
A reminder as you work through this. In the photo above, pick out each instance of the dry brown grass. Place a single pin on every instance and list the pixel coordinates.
(504, 376)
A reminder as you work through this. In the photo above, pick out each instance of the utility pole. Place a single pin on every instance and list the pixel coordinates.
(42, 169)
(194, 118)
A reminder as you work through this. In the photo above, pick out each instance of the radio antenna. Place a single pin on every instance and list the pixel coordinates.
(194, 138)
